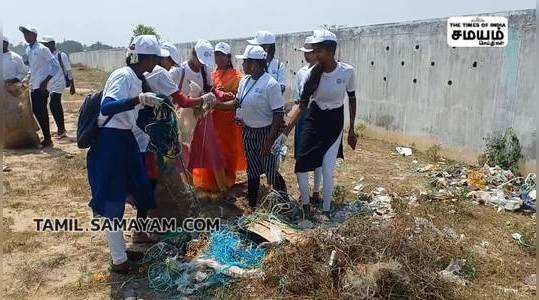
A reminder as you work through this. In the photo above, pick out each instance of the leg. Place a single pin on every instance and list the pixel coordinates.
(303, 183)
(317, 180)
(253, 185)
(57, 112)
(39, 107)
(328, 168)
(117, 247)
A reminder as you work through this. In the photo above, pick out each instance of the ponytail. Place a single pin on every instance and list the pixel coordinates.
(205, 85)
(311, 85)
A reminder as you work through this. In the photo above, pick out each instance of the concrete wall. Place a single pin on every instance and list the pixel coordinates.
(403, 73)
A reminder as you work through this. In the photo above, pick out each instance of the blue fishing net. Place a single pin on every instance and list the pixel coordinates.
(229, 249)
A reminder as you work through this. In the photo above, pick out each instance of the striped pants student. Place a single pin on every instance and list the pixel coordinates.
(253, 139)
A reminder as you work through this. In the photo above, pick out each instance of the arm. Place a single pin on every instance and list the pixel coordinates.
(276, 125)
(54, 67)
(69, 72)
(184, 101)
(228, 105)
(295, 114)
(352, 137)
(109, 106)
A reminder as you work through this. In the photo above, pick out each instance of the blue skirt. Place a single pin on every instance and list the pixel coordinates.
(116, 170)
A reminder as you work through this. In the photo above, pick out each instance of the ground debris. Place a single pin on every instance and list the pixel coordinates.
(450, 273)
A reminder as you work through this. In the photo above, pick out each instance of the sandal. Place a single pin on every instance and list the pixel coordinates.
(125, 268)
(143, 238)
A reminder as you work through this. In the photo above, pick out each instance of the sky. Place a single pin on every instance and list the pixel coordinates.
(112, 21)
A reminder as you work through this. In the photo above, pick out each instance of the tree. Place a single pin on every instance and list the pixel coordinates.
(70, 46)
(98, 46)
(144, 29)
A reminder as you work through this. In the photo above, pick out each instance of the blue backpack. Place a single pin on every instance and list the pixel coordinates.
(87, 129)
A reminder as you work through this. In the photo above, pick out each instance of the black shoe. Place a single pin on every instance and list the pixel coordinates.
(46, 144)
(134, 256)
(316, 200)
(307, 211)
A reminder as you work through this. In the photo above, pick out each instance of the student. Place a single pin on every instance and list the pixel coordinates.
(43, 67)
(229, 139)
(13, 68)
(197, 69)
(275, 68)
(326, 87)
(301, 77)
(115, 168)
(58, 83)
(260, 109)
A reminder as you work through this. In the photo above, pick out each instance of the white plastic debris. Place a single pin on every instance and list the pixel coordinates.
(381, 206)
(450, 273)
(404, 151)
(531, 281)
(532, 194)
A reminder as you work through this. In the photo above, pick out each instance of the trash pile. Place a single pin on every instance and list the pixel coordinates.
(186, 264)
(488, 185)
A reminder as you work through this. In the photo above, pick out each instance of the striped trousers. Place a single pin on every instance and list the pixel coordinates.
(253, 139)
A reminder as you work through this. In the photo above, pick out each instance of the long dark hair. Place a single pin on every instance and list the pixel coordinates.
(206, 87)
(311, 85)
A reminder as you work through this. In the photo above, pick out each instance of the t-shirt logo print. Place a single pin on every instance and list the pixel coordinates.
(207, 54)
(339, 81)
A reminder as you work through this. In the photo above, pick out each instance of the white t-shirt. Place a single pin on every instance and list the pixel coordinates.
(122, 84)
(160, 81)
(277, 70)
(57, 84)
(258, 100)
(13, 66)
(190, 75)
(301, 77)
(333, 86)
(41, 63)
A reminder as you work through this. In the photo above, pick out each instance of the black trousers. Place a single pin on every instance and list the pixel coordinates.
(57, 111)
(39, 108)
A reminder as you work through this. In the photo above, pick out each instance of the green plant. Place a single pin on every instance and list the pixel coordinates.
(433, 152)
(502, 150)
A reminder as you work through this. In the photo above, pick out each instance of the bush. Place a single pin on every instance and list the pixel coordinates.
(502, 150)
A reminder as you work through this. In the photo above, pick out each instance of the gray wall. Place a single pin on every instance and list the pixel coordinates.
(494, 95)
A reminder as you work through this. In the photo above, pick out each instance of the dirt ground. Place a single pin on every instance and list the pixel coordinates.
(53, 183)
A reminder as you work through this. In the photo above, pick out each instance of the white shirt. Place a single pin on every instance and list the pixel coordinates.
(333, 86)
(277, 70)
(160, 81)
(122, 84)
(258, 100)
(13, 66)
(190, 75)
(58, 83)
(42, 64)
(301, 76)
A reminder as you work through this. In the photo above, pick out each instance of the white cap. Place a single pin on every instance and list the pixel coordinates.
(172, 51)
(164, 52)
(321, 35)
(5, 39)
(28, 28)
(223, 48)
(145, 44)
(253, 52)
(204, 51)
(307, 43)
(262, 38)
(47, 39)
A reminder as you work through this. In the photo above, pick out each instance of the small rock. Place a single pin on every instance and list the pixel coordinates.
(530, 281)
(6, 168)
(404, 151)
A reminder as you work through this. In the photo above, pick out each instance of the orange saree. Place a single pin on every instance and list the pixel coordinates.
(230, 138)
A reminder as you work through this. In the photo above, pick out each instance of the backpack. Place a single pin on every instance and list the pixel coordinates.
(87, 128)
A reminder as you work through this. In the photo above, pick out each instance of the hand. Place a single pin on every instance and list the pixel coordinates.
(207, 101)
(194, 89)
(266, 148)
(150, 99)
(352, 139)
(72, 89)
(278, 144)
(43, 86)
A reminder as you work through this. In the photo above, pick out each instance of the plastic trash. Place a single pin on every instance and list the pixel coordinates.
(404, 151)
(451, 271)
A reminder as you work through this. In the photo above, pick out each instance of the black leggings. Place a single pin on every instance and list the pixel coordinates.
(57, 111)
(253, 185)
(39, 107)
